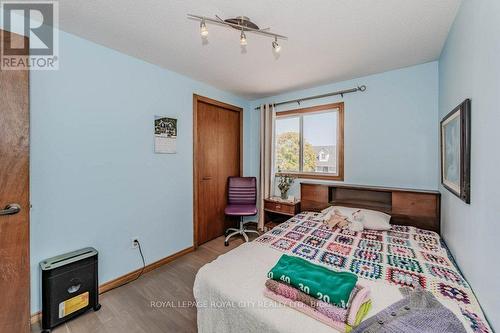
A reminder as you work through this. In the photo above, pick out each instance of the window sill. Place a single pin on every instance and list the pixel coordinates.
(316, 175)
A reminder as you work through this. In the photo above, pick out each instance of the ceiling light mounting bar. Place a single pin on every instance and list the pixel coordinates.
(340, 92)
(240, 27)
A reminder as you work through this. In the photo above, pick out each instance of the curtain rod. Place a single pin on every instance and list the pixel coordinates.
(340, 92)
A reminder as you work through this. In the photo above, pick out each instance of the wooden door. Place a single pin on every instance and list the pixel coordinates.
(217, 156)
(14, 190)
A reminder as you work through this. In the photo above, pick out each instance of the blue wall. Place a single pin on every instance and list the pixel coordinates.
(470, 68)
(390, 129)
(95, 180)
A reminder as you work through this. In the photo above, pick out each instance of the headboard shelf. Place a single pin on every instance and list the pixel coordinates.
(419, 208)
(365, 203)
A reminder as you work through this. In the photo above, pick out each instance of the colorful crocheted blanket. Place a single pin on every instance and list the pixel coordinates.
(403, 256)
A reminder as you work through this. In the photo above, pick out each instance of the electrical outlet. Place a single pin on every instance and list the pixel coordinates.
(135, 243)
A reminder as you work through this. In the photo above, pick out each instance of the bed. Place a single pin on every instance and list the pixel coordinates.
(229, 291)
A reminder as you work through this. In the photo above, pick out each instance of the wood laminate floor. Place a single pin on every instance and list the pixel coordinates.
(128, 308)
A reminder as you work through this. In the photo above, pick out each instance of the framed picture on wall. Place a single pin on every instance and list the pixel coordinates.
(455, 151)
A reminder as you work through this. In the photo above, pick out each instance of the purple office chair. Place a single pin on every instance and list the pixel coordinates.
(241, 201)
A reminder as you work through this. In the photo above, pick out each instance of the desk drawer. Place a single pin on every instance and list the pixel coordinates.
(280, 207)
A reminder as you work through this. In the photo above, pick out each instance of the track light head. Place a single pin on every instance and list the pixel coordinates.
(203, 29)
(276, 46)
(243, 39)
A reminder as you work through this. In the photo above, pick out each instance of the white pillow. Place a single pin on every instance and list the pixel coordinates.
(328, 210)
(356, 226)
(371, 219)
(325, 214)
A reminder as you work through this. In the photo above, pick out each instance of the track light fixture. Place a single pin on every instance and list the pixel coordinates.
(241, 23)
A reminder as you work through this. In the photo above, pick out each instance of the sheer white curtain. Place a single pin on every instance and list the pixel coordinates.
(267, 122)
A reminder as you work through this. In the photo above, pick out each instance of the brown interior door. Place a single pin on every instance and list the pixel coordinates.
(14, 199)
(217, 157)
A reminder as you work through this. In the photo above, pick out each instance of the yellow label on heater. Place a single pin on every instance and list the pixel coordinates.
(73, 304)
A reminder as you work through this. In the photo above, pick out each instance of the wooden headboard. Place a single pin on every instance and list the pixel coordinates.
(418, 208)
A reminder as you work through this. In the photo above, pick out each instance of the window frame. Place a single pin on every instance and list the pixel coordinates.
(339, 176)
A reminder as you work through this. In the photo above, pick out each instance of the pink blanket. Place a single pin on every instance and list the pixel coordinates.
(347, 315)
(297, 305)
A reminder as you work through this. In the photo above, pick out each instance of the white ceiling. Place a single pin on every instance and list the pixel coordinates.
(329, 40)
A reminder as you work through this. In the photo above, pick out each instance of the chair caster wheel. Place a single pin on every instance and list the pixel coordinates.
(226, 243)
(45, 331)
(97, 307)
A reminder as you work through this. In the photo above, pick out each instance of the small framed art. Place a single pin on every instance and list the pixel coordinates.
(165, 135)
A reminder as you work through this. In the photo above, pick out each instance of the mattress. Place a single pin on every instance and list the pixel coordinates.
(229, 290)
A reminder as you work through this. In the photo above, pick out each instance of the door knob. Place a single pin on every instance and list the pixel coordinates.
(10, 209)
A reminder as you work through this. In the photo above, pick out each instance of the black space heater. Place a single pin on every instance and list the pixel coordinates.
(69, 286)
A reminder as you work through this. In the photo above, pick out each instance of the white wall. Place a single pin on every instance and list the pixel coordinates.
(470, 68)
(390, 129)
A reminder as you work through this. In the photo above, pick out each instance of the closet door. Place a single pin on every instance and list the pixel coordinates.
(217, 156)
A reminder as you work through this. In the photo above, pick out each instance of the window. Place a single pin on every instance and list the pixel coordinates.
(310, 142)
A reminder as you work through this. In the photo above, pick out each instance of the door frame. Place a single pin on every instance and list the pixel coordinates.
(196, 99)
